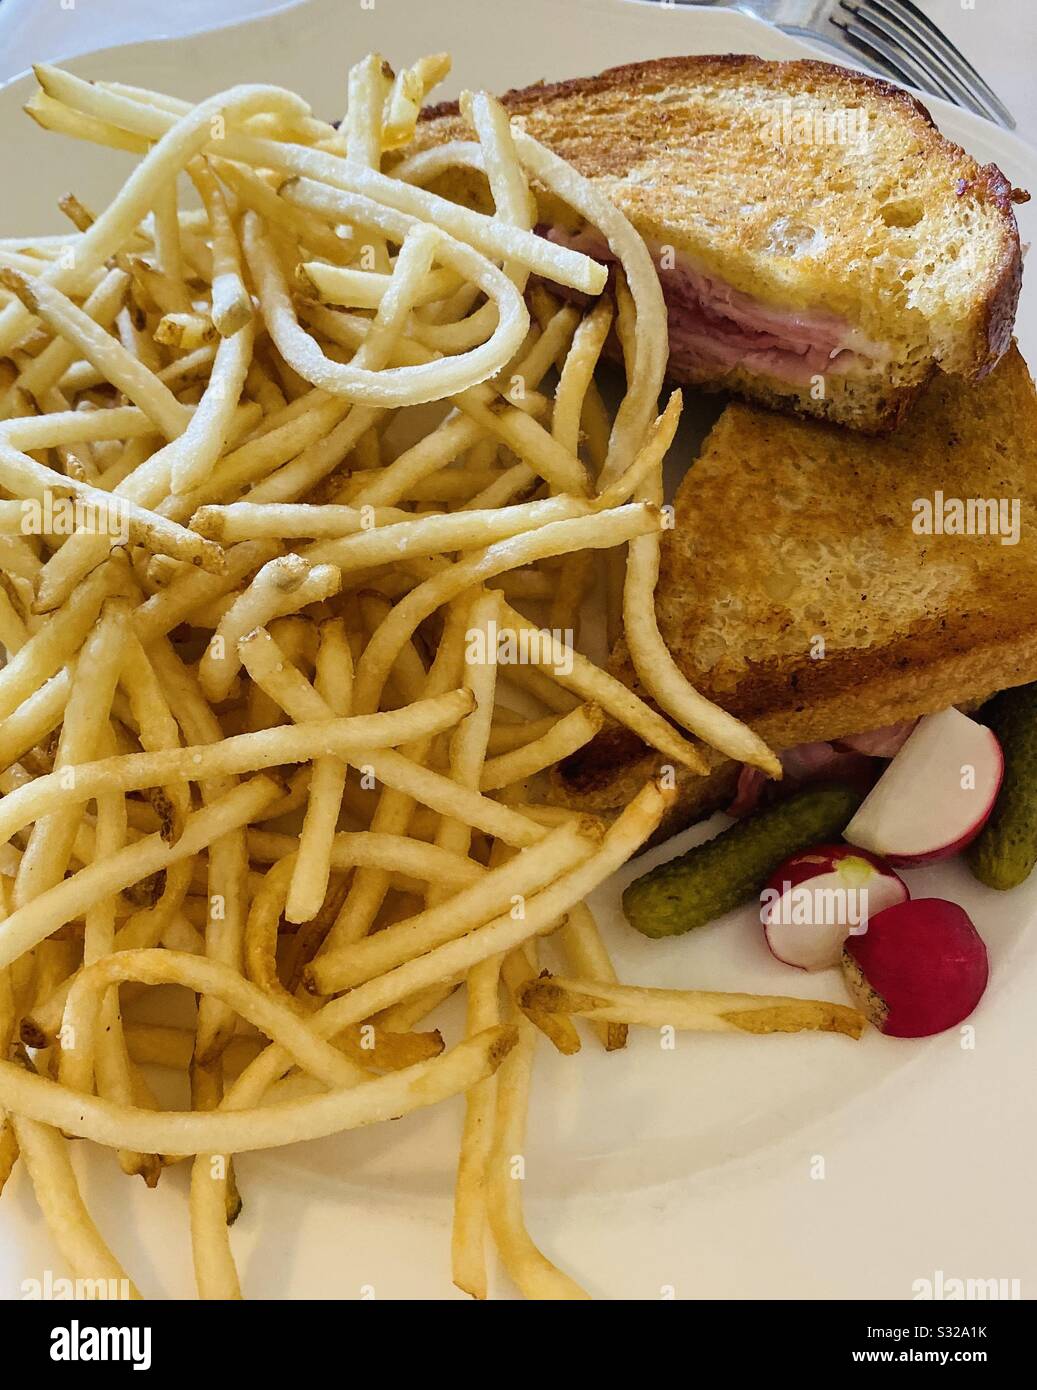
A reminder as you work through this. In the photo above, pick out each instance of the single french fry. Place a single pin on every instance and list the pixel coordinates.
(233, 1130)
(333, 681)
(534, 1273)
(498, 889)
(468, 1257)
(586, 951)
(231, 301)
(84, 730)
(699, 1010)
(118, 366)
(49, 1163)
(252, 752)
(282, 586)
(28, 925)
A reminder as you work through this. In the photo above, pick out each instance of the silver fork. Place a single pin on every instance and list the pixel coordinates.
(893, 37)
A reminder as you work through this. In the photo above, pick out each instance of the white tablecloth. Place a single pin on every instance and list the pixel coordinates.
(998, 36)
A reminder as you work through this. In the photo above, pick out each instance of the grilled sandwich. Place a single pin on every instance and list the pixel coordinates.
(822, 248)
(874, 581)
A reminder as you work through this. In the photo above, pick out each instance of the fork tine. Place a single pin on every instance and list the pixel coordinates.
(853, 42)
(913, 54)
(893, 21)
(960, 68)
(892, 58)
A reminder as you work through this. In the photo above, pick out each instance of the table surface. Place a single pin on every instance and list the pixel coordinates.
(998, 36)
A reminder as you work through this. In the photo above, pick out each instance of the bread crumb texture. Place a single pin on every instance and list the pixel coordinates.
(834, 589)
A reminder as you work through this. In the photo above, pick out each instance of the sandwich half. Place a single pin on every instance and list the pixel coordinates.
(829, 589)
(821, 247)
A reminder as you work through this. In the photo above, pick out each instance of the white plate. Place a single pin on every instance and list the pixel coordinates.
(691, 1173)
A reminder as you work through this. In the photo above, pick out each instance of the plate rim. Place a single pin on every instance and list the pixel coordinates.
(677, 1192)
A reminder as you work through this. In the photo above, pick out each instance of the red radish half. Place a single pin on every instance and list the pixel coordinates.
(936, 794)
(817, 897)
(920, 968)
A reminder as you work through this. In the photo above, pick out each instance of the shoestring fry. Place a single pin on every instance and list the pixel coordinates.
(279, 441)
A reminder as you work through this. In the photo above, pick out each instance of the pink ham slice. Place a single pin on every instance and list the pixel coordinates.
(751, 782)
(852, 759)
(880, 743)
(714, 328)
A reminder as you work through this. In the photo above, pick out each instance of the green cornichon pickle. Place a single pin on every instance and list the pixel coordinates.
(734, 866)
(1005, 850)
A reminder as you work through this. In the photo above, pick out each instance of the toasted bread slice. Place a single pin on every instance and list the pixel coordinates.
(821, 246)
(801, 589)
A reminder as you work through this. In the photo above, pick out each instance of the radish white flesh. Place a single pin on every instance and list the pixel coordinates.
(919, 969)
(818, 897)
(936, 794)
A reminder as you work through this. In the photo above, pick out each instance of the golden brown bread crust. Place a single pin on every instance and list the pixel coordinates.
(826, 552)
(696, 797)
(671, 142)
(1003, 298)
(886, 406)
(613, 156)
(690, 66)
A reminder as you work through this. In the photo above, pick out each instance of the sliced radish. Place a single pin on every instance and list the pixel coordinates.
(936, 794)
(819, 896)
(920, 968)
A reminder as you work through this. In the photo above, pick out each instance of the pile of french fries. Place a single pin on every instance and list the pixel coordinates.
(277, 444)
